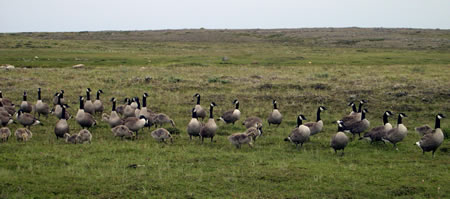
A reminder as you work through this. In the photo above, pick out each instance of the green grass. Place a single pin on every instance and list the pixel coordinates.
(255, 73)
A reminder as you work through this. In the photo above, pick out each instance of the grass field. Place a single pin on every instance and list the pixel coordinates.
(402, 70)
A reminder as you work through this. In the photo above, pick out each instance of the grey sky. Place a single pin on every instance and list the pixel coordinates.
(92, 15)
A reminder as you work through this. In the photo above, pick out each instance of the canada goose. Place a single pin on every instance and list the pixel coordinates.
(237, 139)
(134, 104)
(396, 134)
(84, 119)
(23, 134)
(161, 135)
(422, 130)
(357, 127)
(137, 111)
(147, 113)
(194, 126)
(98, 105)
(275, 116)
(316, 127)
(27, 120)
(209, 129)
(128, 111)
(58, 109)
(252, 122)
(61, 99)
(5, 118)
(255, 131)
(432, 140)
(377, 133)
(41, 107)
(134, 123)
(355, 115)
(10, 109)
(122, 131)
(300, 134)
(4, 101)
(201, 113)
(113, 119)
(88, 105)
(71, 138)
(84, 136)
(233, 115)
(120, 109)
(25, 106)
(160, 119)
(339, 141)
(62, 127)
(4, 134)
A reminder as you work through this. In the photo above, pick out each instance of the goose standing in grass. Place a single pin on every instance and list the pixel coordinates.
(88, 105)
(23, 134)
(357, 127)
(137, 111)
(339, 141)
(300, 134)
(147, 113)
(11, 110)
(5, 101)
(84, 136)
(62, 127)
(252, 122)
(121, 108)
(122, 131)
(377, 133)
(201, 112)
(58, 109)
(233, 115)
(432, 140)
(41, 107)
(316, 127)
(238, 139)
(194, 126)
(84, 119)
(275, 116)
(5, 118)
(210, 127)
(59, 96)
(98, 104)
(161, 135)
(4, 134)
(355, 115)
(113, 119)
(397, 134)
(27, 120)
(128, 111)
(135, 124)
(160, 119)
(134, 104)
(26, 106)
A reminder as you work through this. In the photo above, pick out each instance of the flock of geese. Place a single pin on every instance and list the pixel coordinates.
(126, 120)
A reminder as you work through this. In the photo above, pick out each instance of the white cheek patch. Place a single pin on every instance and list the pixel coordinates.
(439, 116)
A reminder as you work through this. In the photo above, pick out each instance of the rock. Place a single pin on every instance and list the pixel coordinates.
(7, 67)
(78, 66)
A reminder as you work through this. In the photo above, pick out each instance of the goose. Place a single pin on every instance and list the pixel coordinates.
(84, 119)
(160, 119)
(194, 126)
(6, 108)
(27, 120)
(355, 115)
(339, 141)
(84, 136)
(71, 138)
(137, 111)
(134, 104)
(357, 127)
(161, 135)
(201, 113)
(26, 106)
(209, 129)
(231, 116)
(252, 122)
(134, 123)
(275, 116)
(58, 110)
(237, 139)
(422, 130)
(255, 132)
(98, 105)
(120, 109)
(62, 127)
(300, 134)
(23, 134)
(316, 127)
(128, 111)
(5, 101)
(88, 105)
(377, 133)
(41, 107)
(147, 113)
(4, 134)
(5, 118)
(122, 131)
(432, 140)
(113, 119)
(396, 134)
(61, 99)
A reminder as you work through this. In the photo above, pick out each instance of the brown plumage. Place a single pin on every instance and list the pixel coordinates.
(252, 122)
(161, 135)
(27, 120)
(26, 106)
(23, 134)
(161, 118)
(5, 101)
(201, 112)
(4, 134)
(123, 131)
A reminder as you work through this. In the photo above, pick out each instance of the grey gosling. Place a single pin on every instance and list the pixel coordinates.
(84, 136)
(252, 122)
(23, 134)
(123, 131)
(161, 135)
(72, 139)
(4, 134)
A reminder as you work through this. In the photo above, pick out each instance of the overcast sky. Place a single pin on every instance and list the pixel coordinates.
(93, 15)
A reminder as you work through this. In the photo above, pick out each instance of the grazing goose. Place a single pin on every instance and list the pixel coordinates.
(300, 134)
(160, 119)
(122, 131)
(357, 127)
(9, 109)
(237, 139)
(422, 130)
(396, 134)
(58, 110)
(201, 112)
(128, 111)
(27, 120)
(72, 139)
(23, 134)
(252, 122)
(84, 136)
(134, 123)
(26, 106)
(339, 141)
(316, 127)
(62, 127)
(84, 119)
(255, 132)
(209, 129)
(4, 134)
(432, 140)
(275, 117)
(113, 119)
(377, 133)
(355, 115)
(5, 118)
(161, 135)
(88, 105)
(233, 115)
(98, 105)
(194, 126)
(4, 101)
(61, 99)
(41, 107)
